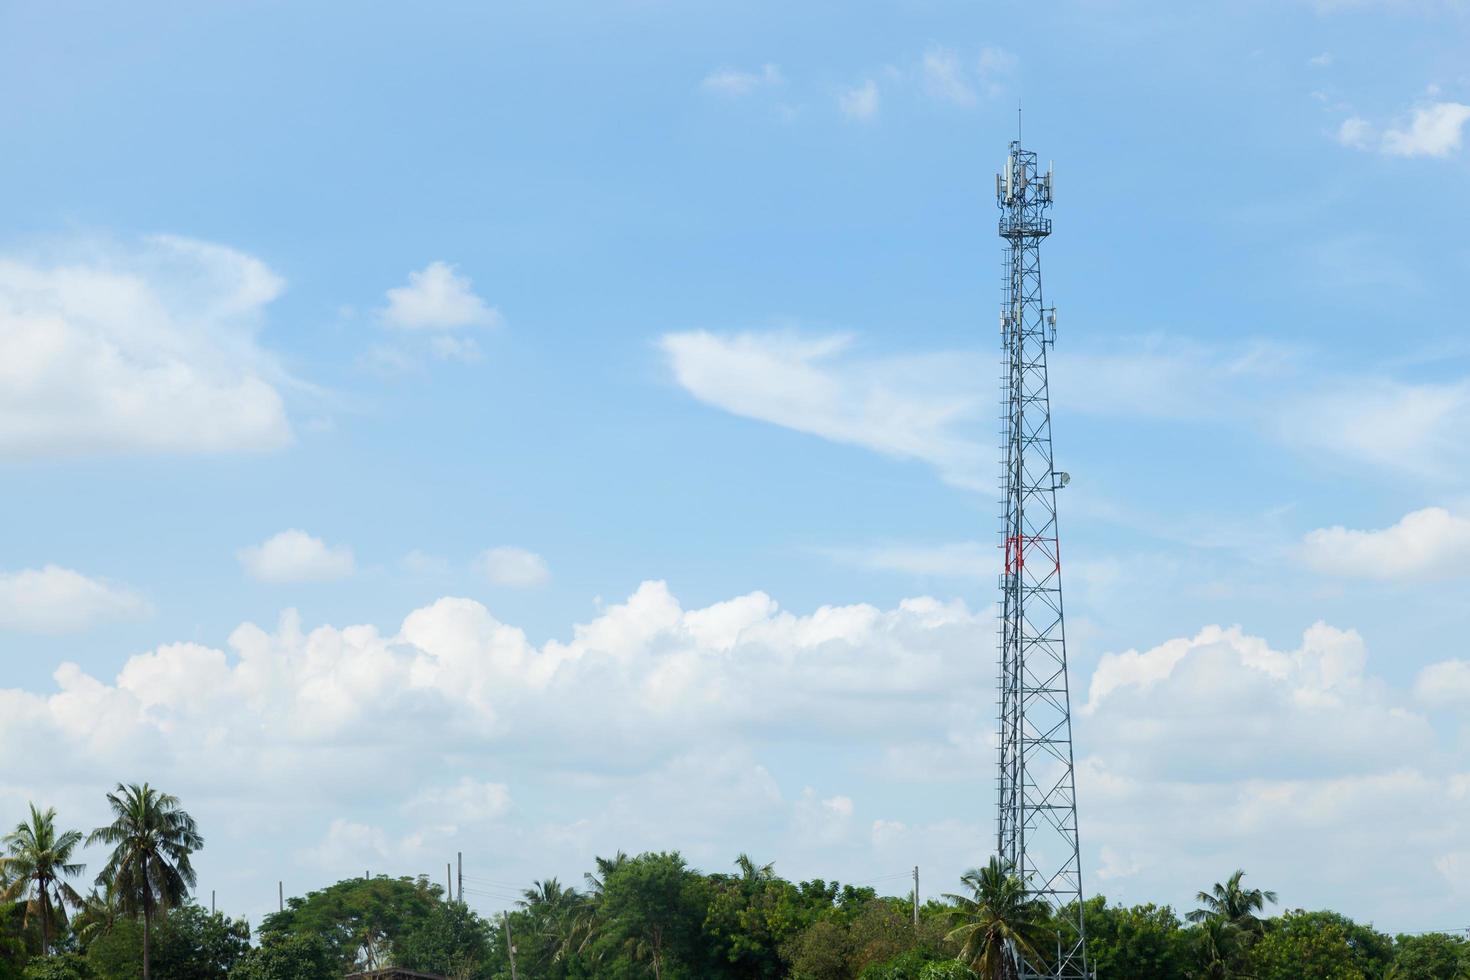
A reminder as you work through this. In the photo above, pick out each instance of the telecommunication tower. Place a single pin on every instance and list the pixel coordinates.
(1037, 800)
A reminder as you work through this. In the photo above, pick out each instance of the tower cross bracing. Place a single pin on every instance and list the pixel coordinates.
(1036, 791)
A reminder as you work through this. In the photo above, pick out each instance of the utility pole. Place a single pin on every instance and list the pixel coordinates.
(510, 945)
(459, 858)
(916, 896)
(448, 881)
(281, 896)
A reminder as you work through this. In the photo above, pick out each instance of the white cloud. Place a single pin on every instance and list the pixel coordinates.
(1316, 699)
(1444, 684)
(450, 348)
(1219, 751)
(995, 61)
(915, 408)
(467, 801)
(295, 556)
(418, 562)
(734, 82)
(437, 297)
(944, 77)
(930, 407)
(515, 567)
(958, 559)
(142, 350)
(1322, 60)
(1426, 543)
(1355, 132)
(59, 600)
(1435, 130)
(651, 723)
(823, 822)
(1422, 429)
(859, 102)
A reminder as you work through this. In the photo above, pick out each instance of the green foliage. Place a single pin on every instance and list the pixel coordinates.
(303, 957)
(993, 914)
(188, 943)
(450, 940)
(1233, 903)
(117, 954)
(1137, 941)
(751, 916)
(914, 964)
(359, 919)
(1432, 956)
(152, 839)
(820, 952)
(1320, 946)
(65, 966)
(651, 909)
(35, 867)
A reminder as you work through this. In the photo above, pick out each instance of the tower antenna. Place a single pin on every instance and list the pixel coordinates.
(1036, 805)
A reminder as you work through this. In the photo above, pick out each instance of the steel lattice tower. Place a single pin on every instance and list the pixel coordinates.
(1037, 804)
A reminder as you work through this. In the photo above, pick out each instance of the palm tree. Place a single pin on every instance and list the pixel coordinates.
(1217, 950)
(1233, 904)
(151, 839)
(99, 911)
(752, 873)
(996, 921)
(563, 917)
(37, 864)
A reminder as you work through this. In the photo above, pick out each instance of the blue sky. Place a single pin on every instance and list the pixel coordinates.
(665, 334)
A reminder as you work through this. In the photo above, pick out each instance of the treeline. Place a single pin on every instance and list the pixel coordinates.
(648, 915)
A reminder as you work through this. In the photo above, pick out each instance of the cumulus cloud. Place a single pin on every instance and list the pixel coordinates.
(1434, 130)
(1218, 750)
(142, 349)
(437, 297)
(1428, 543)
(735, 82)
(295, 556)
(1317, 698)
(455, 667)
(53, 599)
(653, 724)
(1444, 684)
(514, 567)
(912, 408)
(859, 102)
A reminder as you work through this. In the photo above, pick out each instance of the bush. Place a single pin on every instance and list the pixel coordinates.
(63, 966)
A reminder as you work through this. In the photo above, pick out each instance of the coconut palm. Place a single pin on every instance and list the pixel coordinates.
(1233, 904)
(995, 921)
(1217, 950)
(99, 911)
(36, 864)
(563, 917)
(752, 873)
(151, 839)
